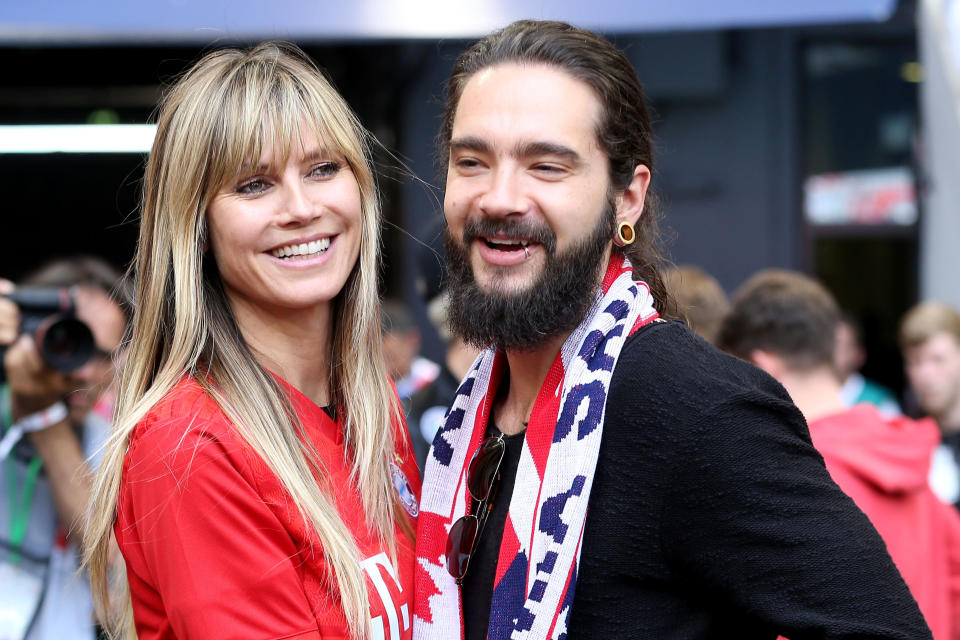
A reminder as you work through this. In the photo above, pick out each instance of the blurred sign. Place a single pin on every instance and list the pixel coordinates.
(868, 196)
(210, 20)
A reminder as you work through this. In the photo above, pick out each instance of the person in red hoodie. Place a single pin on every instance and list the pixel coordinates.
(784, 322)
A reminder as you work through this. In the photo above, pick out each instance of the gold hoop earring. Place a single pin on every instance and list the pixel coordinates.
(625, 234)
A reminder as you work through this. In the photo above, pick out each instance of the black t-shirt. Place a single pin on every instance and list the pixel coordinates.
(478, 582)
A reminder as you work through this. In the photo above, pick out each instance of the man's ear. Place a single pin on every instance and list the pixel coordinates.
(768, 361)
(630, 200)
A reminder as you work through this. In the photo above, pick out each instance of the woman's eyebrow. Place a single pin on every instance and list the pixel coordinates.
(320, 153)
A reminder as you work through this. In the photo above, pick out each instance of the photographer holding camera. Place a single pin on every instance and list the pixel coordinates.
(54, 414)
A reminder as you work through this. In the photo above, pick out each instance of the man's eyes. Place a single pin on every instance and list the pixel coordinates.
(548, 168)
(467, 163)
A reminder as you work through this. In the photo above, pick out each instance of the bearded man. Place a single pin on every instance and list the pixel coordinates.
(710, 513)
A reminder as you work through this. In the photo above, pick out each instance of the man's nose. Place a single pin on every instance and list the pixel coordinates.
(921, 372)
(504, 197)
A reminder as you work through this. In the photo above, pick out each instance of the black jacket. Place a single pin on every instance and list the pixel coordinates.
(712, 515)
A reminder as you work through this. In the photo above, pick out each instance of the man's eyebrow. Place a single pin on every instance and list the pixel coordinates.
(470, 143)
(533, 149)
(522, 150)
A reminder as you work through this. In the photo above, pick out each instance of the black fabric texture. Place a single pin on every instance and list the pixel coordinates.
(712, 515)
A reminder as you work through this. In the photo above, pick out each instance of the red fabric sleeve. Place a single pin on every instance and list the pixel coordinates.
(194, 527)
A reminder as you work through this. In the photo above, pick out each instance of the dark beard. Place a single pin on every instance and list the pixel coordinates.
(553, 305)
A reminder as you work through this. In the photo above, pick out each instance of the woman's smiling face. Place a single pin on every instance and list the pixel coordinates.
(286, 236)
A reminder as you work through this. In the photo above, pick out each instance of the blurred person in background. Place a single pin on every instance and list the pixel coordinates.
(784, 322)
(63, 419)
(258, 480)
(603, 473)
(700, 297)
(429, 405)
(850, 355)
(401, 350)
(930, 342)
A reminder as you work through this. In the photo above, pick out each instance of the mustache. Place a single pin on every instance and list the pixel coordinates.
(530, 230)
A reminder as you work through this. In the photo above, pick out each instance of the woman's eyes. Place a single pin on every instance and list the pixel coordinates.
(325, 169)
(258, 185)
(254, 186)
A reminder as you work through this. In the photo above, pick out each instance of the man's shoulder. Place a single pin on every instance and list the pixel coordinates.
(672, 386)
(665, 358)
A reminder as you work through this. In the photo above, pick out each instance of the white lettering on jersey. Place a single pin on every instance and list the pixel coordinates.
(372, 568)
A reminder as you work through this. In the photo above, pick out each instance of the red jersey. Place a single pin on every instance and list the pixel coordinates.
(214, 546)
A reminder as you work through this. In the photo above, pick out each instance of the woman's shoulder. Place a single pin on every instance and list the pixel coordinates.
(184, 417)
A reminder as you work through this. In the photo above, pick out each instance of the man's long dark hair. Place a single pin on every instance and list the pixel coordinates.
(624, 131)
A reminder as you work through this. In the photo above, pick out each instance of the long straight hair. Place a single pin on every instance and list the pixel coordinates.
(212, 126)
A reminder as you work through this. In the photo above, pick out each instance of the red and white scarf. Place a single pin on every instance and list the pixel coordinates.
(540, 549)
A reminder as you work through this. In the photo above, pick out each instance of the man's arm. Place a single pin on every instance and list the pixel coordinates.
(67, 470)
(754, 517)
(34, 387)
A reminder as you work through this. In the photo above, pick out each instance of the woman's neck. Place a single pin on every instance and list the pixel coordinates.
(295, 345)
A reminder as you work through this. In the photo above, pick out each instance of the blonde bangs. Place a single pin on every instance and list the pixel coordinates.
(263, 106)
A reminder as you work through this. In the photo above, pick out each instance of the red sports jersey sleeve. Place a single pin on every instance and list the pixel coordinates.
(214, 547)
(202, 541)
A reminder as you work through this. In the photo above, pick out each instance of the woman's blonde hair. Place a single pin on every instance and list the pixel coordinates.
(212, 126)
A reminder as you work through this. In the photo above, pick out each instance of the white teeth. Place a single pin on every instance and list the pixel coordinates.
(303, 249)
(505, 241)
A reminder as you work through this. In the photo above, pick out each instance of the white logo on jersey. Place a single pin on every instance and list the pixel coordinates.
(372, 568)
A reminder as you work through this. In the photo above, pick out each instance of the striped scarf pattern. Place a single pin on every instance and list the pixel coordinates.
(536, 571)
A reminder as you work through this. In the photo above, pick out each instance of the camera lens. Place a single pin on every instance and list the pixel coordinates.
(65, 342)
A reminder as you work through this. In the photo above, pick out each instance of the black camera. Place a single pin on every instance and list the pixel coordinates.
(49, 315)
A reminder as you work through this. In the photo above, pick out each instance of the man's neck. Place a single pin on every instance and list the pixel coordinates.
(816, 393)
(527, 371)
(949, 422)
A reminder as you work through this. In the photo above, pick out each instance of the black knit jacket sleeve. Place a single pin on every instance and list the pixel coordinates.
(712, 515)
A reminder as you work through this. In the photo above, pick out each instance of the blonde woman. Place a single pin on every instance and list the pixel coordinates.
(259, 481)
